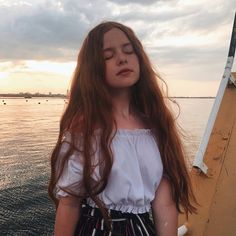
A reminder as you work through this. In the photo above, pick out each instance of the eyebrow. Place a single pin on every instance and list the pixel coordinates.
(111, 48)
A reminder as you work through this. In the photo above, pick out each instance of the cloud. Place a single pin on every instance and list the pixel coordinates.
(41, 30)
(54, 30)
(141, 2)
(180, 55)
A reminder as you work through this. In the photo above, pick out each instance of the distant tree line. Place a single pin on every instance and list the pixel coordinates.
(29, 95)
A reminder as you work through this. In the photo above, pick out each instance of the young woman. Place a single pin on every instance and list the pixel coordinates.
(119, 154)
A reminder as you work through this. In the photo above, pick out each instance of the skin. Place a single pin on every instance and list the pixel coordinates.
(118, 54)
(164, 210)
(67, 216)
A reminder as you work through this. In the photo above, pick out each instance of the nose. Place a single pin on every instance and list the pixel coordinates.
(121, 58)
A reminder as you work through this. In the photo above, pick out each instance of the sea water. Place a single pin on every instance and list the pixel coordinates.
(28, 132)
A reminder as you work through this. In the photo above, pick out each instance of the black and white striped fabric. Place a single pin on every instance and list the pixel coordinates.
(91, 223)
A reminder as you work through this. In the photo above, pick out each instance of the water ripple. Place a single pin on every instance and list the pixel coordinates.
(28, 132)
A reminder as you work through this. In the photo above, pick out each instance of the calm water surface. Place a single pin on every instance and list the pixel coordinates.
(28, 132)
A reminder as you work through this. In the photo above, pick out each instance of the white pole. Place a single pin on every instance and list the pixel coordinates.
(198, 161)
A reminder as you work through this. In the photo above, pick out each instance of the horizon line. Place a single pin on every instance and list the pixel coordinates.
(22, 94)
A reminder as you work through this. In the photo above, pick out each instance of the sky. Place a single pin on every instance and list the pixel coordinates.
(186, 40)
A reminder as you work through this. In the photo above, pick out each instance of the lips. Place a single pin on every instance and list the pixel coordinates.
(124, 71)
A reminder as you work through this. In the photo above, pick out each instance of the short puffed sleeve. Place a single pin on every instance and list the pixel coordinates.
(70, 179)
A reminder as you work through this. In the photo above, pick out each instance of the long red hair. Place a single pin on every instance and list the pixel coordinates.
(89, 106)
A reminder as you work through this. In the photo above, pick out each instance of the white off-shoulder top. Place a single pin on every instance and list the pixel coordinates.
(135, 175)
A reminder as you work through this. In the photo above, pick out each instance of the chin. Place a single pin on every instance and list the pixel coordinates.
(122, 83)
(124, 86)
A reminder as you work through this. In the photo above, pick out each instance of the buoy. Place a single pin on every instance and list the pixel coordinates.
(4, 103)
(38, 102)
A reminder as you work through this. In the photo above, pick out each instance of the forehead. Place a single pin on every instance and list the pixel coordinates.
(114, 37)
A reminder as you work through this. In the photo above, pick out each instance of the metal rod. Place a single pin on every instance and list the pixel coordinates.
(198, 161)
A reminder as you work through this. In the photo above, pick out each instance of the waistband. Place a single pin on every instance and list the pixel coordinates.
(114, 215)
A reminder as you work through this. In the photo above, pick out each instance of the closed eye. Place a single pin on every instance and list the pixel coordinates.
(108, 54)
(128, 48)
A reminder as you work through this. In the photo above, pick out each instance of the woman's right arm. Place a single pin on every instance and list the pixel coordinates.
(67, 216)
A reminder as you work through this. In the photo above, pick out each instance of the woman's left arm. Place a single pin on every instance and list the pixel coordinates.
(164, 210)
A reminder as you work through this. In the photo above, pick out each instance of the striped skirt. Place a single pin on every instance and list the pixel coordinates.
(91, 223)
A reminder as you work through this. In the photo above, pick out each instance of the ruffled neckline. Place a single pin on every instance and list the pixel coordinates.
(121, 131)
(133, 131)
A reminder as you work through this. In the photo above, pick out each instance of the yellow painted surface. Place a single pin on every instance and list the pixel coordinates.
(216, 192)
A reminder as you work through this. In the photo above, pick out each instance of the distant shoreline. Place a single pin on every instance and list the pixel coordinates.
(29, 96)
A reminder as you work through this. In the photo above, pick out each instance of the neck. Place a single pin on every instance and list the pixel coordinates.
(121, 103)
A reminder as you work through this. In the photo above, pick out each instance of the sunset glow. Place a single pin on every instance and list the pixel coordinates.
(187, 42)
